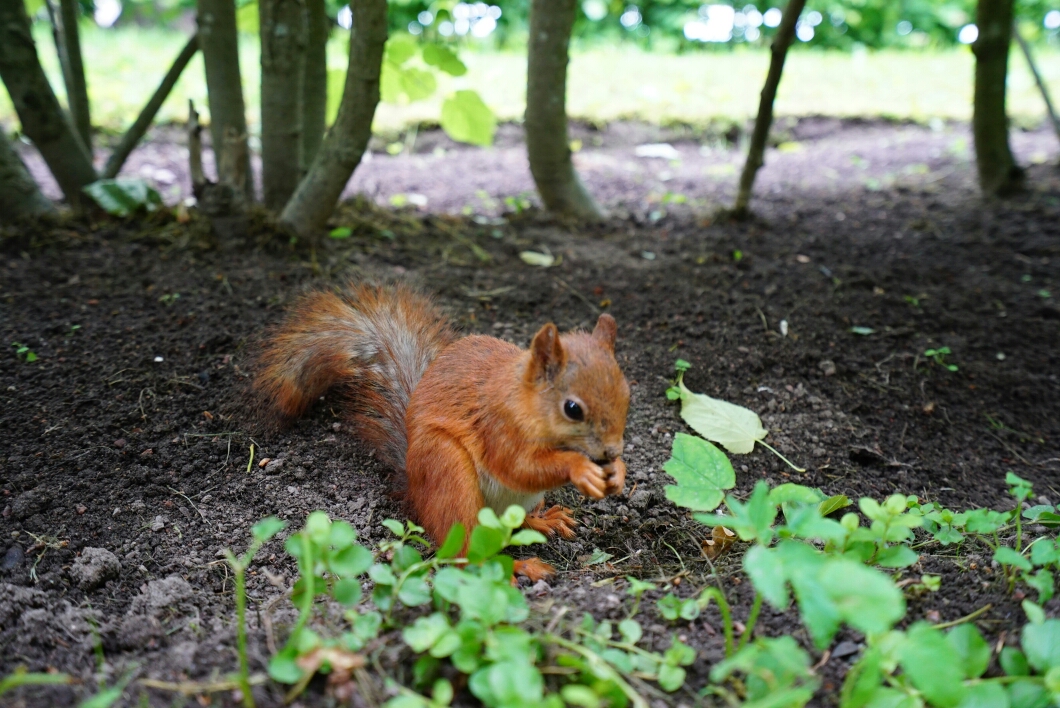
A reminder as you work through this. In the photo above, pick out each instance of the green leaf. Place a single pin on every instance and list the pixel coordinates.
(765, 568)
(863, 331)
(341, 232)
(1014, 662)
(122, 197)
(1026, 693)
(422, 634)
(283, 666)
(105, 698)
(395, 527)
(347, 592)
(630, 630)
(382, 574)
(527, 537)
(442, 57)
(702, 472)
(985, 695)
(535, 258)
(1008, 556)
(578, 695)
(598, 557)
(669, 606)
(267, 528)
(863, 680)
(972, 648)
(1043, 582)
(789, 493)
(933, 666)
(1035, 614)
(442, 693)
(405, 557)
(446, 645)
(350, 561)
(671, 678)
(734, 427)
(896, 557)
(454, 542)
(486, 542)
(400, 48)
(681, 365)
(318, 527)
(1041, 644)
(1044, 551)
(467, 119)
(488, 518)
(417, 84)
(513, 517)
(833, 504)
(414, 592)
(866, 598)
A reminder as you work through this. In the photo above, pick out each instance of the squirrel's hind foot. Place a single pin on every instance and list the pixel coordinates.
(533, 568)
(556, 520)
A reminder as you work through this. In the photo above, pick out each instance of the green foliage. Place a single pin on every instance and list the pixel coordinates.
(409, 74)
(939, 357)
(21, 677)
(467, 119)
(702, 471)
(24, 353)
(123, 197)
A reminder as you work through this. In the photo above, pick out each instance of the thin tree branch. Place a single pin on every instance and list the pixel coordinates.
(137, 130)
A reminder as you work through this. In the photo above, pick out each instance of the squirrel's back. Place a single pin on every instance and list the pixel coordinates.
(376, 342)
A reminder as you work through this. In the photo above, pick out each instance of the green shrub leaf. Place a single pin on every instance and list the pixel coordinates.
(467, 119)
(933, 666)
(444, 59)
(122, 197)
(702, 471)
(972, 648)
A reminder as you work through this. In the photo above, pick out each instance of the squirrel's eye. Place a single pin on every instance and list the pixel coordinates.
(572, 410)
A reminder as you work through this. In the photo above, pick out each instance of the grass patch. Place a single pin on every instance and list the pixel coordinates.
(606, 84)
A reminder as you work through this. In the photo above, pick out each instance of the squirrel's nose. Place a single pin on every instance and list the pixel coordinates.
(613, 452)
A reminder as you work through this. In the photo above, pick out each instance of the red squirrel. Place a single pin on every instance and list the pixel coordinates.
(471, 422)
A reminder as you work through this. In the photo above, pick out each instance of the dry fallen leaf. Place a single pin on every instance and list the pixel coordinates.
(721, 539)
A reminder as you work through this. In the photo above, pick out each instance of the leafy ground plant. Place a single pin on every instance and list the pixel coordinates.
(827, 567)
(458, 611)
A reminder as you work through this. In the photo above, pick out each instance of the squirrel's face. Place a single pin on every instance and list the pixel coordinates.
(582, 393)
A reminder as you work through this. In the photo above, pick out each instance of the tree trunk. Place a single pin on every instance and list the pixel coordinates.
(308, 210)
(220, 53)
(1038, 79)
(19, 194)
(315, 88)
(38, 110)
(283, 34)
(998, 173)
(755, 155)
(546, 112)
(147, 115)
(68, 45)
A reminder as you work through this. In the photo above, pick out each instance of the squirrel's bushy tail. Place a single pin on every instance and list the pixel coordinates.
(375, 342)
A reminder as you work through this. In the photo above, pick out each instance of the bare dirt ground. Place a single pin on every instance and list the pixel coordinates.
(131, 431)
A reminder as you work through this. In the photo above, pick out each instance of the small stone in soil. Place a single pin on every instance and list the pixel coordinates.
(13, 558)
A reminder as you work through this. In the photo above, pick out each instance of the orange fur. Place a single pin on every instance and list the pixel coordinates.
(471, 422)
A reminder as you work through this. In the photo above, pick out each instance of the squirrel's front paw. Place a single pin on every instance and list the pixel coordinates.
(589, 479)
(616, 476)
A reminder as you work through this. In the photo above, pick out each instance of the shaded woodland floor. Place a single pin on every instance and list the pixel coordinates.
(131, 431)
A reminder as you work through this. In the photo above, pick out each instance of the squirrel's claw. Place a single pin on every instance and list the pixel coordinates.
(616, 476)
(589, 479)
(556, 520)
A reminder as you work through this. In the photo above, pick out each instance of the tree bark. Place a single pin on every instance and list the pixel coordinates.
(315, 87)
(755, 155)
(68, 45)
(19, 194)
(998, 172)
(220, 53)
(38, 109)
(308, 210)
(547, 143)
(1038, 79)
(137, 130)
(283, 35)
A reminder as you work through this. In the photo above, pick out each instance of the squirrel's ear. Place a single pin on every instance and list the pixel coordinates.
(547, 356)
(606, 331)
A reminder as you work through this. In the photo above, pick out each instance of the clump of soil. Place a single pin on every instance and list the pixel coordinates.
(124, 470)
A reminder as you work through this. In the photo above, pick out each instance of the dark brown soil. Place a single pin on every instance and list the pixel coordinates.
(132, 431)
